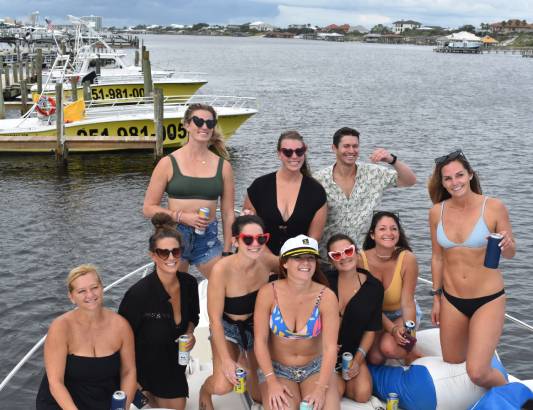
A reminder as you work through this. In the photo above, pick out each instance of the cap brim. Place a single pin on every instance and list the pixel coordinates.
(302, 251)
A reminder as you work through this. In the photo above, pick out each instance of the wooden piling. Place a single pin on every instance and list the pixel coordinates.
(39, 73)
(87, 91)
(136, 58)
(15, 73)
(2, 106)
(61, 151)
(28, 74)
(23, 97)
(158, 123)
(21, 70)
(97, 67)
(7, 75)
(147, 74)
(73, 88)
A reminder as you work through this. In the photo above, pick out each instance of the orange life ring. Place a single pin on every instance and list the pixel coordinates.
(46, 105)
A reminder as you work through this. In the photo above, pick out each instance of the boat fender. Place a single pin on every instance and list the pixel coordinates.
(46, 105)
(429, 384)
(510, 396)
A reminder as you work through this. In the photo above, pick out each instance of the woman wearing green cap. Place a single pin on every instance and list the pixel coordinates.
(296, 323)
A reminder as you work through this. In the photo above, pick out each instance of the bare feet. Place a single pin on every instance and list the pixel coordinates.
(204, 401)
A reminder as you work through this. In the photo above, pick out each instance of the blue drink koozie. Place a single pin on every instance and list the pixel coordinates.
(492, 255)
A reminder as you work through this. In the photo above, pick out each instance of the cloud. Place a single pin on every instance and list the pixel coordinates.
(323, 17)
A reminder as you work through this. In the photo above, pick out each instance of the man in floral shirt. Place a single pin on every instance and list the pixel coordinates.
(354, 189)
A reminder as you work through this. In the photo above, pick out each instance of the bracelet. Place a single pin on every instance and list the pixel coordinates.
(322, 386)
(178, 219)
(394, 158)
(269, 374)
(227, 253)
(362, 351)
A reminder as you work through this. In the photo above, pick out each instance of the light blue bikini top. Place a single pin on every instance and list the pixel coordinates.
(477, 238)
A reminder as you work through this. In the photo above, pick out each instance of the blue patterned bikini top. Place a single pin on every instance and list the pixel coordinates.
(476, 239)
(312, 328)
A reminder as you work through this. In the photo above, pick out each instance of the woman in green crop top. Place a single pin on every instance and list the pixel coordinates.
(196, 176)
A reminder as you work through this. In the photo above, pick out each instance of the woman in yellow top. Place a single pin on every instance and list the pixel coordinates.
(388, 256)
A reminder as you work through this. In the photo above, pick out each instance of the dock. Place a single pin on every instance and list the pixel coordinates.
(458, 50)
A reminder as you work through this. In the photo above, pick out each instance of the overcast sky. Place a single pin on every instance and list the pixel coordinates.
(445, 13)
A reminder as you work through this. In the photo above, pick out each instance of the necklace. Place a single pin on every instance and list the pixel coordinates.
(384, 257)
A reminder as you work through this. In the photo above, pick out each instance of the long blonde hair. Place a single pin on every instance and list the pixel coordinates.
(216, 142)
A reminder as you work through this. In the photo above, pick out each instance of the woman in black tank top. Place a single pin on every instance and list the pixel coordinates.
(89, 352)
(231, 293)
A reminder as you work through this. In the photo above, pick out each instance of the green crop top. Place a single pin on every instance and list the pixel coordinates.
(184, 187)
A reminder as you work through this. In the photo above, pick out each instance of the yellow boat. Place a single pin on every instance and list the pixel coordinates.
(119, 120)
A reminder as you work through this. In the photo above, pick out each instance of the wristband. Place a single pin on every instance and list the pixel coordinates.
(269, 374)
(435, 292)
(362, 351)
(394, 158)
(178, 218)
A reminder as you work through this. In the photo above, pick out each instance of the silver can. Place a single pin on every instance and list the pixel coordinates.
(204, 212)
(305, 405)
(118, 400)
(183, 353)
(410, 326)
(347, 360)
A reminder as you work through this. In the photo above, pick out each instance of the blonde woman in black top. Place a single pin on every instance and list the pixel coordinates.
(231, 293)
(160, 308)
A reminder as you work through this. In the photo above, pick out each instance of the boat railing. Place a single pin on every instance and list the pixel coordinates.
(167, 75)
(143, 104)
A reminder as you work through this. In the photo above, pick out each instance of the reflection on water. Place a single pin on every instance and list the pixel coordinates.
(418, 103)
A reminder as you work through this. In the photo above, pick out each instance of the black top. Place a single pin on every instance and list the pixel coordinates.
(147, 308)
(91, 381)
(240, 305)
(362, 312)
(263, 194)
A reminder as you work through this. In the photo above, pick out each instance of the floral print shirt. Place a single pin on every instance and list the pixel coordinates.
(352, 216)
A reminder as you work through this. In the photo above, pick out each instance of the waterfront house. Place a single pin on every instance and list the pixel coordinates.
(400, 26)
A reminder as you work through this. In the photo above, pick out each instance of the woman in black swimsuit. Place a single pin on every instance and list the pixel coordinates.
(231, 293)
(89, 351)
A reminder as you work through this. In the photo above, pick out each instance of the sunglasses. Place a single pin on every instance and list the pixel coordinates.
(450, 157)
(347, 252)
(260, 238)
(165, 253)
(289, 151)
(199, 122)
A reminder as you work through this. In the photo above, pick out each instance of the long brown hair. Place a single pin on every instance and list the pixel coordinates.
(295, 135)
(216, 142)
(318, 276)
(436, 190)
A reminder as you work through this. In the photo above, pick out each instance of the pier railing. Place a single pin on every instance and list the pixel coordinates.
(142, 272)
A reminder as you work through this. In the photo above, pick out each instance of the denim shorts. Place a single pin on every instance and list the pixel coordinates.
(293, 373)
(233, 335)
(392, 315)
(199, 249)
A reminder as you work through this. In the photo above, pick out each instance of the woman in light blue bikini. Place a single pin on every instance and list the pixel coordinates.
(468, 298)
(296, 323)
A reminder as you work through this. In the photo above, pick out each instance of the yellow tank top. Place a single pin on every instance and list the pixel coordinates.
(393, 294)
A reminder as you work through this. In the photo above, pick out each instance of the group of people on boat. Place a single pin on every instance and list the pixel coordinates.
(308, 271)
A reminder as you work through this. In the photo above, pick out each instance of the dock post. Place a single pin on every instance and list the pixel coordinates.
(2, 106)
(158, 123)
(7, 75)
(61, 151)
(28, 76)
(39, 71)
(97, 68)
(73, 89)
(21, 70)
(136, 58)
(87, 91)
(147, 74)
(15, 73)
(23, 97)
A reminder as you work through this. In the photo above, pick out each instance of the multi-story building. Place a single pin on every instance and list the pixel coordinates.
(94, 21)
(400, 26)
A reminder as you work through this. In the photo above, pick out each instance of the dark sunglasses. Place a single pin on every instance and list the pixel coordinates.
(260, 238)
(289, 151)
(450, 157)
(337, 255)
(165, 253)
(199, 122)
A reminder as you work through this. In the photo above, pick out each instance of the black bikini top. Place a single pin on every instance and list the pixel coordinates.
(240, 305)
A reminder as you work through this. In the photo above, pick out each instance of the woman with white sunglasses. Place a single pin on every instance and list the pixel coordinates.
(360, 297)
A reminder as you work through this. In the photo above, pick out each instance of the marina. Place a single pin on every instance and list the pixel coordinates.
(50, 214)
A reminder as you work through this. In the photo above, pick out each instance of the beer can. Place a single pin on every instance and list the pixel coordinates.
(204, 212)
(240, 375)
(393, 402)
(305, 405)
(118, 400)
(410, 326)
(183, 353)
(492, 255)
(347, 360)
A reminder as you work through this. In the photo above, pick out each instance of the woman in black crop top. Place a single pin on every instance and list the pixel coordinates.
(160, 308)
(360, 297)
(233, 286)
(89, 351)
(196, 176)
(289, 200)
